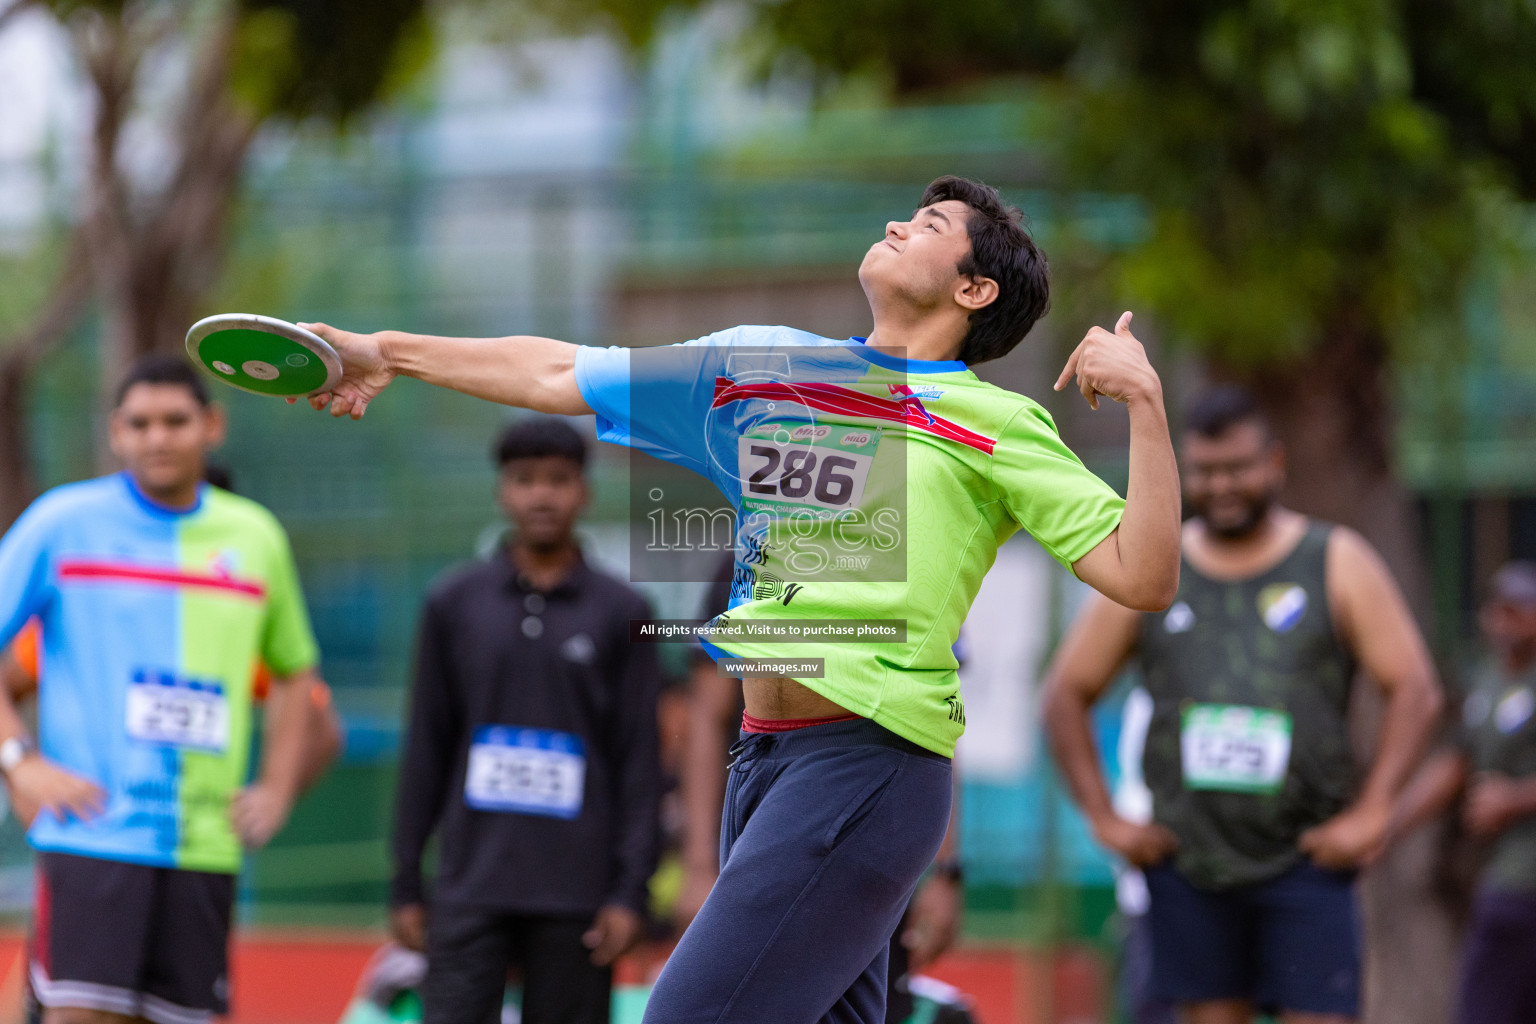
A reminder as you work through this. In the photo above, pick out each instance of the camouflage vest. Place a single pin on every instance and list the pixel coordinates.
(1249, 742)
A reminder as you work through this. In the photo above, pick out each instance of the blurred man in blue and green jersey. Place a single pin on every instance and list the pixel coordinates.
(157, 596)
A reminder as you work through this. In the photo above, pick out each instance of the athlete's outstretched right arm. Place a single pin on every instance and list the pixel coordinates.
(521, 370)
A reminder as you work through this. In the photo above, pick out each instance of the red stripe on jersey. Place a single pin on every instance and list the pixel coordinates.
(846, 401)
(126, 573)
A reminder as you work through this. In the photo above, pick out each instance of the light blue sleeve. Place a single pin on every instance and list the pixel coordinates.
(26, 568)
(657, 400)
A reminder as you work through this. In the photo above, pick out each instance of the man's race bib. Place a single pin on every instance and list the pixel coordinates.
(526, 771)
(1235, 748)
(171, 711)
(791, 465)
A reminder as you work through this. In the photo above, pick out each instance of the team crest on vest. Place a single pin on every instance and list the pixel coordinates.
(1281, 606)
(1514, 709)
(1180, 618)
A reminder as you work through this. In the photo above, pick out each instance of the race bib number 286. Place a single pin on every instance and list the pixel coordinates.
(1235, 748)
(792, 465)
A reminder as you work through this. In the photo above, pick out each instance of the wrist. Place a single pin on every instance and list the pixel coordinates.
(1147, 393)
(1373, 809)
(1101, 821)
(14, 751)
(391, 346)
(284, 788)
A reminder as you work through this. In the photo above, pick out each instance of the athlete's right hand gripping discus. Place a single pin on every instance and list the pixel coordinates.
(264, 355)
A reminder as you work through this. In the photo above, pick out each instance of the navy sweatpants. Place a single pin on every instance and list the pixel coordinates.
(825, 834)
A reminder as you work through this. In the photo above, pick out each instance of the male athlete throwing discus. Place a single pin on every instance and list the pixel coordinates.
(1259, 817)
(157, 595)
(840, 792)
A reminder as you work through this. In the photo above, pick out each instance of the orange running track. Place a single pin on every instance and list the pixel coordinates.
(307, 977)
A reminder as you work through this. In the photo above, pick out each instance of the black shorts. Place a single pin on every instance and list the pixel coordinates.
(468, 953)
(1291, 943)
(129, 939)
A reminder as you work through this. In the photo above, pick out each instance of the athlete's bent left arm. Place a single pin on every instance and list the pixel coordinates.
(1138, 564)
(262, 808)
(1374, 622)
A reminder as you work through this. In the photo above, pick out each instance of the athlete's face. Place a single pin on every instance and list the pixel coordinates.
(163, 435)
(1510, 629)
(917, 263)
(1231, 480)
(543, 497)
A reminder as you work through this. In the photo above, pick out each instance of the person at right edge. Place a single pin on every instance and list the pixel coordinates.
(1490, 765)
(1260, 820)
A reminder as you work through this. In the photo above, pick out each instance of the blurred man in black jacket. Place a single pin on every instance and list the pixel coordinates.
(532, 751)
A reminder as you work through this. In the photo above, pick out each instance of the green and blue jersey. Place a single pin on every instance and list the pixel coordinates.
(866, 486)
(152, 622)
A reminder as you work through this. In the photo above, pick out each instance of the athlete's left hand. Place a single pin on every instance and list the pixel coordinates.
(258, 811)
(1112, 364)
(1350, 839)
(615, 931)
(933, 922)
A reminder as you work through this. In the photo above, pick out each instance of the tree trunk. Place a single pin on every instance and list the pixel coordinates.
(156, 255)
(1334, 415)
(66, 304)
(18, 486)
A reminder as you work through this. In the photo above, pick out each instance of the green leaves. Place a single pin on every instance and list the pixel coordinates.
(1306, 160)
(304, 58)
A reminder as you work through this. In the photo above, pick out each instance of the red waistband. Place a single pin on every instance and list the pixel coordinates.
(750, 724)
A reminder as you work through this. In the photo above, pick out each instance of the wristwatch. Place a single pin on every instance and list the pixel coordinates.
(14, 751)
(949, 870)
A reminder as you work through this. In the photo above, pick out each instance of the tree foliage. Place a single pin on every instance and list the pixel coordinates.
(1312, 166)
(147, 243)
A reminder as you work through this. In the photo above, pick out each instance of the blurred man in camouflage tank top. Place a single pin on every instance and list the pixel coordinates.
(1260, 815)
(1491, 766)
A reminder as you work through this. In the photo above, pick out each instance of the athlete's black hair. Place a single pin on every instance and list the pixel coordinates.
(1002, 250)
(533, 437)
(1217, 409)
(162, 368)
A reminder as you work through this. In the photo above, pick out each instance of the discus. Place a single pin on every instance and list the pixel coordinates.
(264, 355)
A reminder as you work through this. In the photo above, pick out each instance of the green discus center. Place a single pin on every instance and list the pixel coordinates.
(260, 361)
